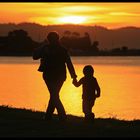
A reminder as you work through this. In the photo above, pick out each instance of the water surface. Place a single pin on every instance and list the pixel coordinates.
(119, 77)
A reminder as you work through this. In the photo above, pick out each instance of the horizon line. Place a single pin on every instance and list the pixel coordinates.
(86, 25)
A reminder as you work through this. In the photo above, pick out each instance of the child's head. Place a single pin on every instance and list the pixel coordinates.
(88, 70)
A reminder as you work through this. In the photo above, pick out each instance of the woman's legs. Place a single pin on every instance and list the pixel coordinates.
(54, 93)
(54, 102)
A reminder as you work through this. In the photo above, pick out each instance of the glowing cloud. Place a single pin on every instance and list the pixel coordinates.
(72, 19)
(105, 14)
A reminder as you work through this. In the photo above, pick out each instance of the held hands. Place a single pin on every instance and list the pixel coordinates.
(74, 81)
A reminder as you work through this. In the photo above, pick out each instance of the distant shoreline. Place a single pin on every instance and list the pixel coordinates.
(70, 55)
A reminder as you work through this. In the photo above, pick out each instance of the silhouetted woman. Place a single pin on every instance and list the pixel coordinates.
(54, 59)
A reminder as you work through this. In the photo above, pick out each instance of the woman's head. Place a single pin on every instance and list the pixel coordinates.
(53, 37)
(88, 70)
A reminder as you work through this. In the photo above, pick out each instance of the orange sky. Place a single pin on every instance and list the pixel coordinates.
(107, 14)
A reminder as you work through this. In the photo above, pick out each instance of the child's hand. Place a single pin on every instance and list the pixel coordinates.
(97, 96)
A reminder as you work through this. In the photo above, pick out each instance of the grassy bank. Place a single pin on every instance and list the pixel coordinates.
(27, 123)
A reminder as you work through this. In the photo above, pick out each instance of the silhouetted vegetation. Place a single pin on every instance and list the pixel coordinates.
(15, 122)
(19, 43)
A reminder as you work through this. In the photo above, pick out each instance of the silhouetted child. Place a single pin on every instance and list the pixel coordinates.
(90, 91)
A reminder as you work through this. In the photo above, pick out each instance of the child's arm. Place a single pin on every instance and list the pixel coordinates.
(77, 83)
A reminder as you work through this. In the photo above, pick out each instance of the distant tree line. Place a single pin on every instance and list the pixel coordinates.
(124, 50)
(19, 43)
(77, 45)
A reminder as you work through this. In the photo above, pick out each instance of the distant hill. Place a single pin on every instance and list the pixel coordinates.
(108, 38)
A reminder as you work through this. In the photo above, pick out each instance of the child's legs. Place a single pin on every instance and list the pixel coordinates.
(87, 108)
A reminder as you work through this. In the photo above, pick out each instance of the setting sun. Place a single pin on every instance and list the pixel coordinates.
(72, 19)
(110, 15)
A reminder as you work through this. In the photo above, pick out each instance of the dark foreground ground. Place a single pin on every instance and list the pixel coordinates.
(27, 123)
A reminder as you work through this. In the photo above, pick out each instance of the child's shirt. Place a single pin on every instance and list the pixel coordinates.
(90, 87)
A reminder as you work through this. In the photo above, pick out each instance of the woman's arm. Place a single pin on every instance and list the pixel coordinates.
(37, 53)
(70, 66)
